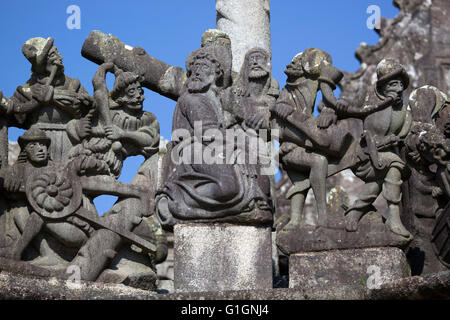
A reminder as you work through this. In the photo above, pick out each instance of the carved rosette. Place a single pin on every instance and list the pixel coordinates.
(53, 194)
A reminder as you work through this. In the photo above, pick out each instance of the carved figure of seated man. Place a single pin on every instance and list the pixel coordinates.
(205, 191)
(53, 205)
(34, 154)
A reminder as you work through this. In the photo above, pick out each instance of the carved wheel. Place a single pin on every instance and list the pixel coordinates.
(54, 194)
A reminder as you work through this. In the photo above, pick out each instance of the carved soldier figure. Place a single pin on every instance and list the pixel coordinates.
(49, 99)
(381, 168)
(34, 154)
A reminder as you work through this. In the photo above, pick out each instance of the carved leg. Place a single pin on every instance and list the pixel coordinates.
(331, 140)
(393, 194)
(48, 256)
(32, 228)
(318, 178)
(297, 206)
(369, 193)
(97, 253)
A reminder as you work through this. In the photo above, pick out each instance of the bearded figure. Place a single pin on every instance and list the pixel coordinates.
(217, 187)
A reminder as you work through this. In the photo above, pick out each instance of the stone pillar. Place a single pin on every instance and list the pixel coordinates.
(247, 22)
(220, 257)
(369, 267)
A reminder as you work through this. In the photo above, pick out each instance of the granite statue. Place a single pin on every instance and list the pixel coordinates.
(221, 190)
(51, 223)
(427, 148)
(368, 133)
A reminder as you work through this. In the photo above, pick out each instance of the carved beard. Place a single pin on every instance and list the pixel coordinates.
(257, 74)
(197, 86)
(133, 103)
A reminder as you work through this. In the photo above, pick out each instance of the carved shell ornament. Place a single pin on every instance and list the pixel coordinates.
(53, 194)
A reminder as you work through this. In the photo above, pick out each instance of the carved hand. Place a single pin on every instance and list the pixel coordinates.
(42, 92)
(341, 105)
(394, 140)
(436, 192)
(282, 110)
(257, 121)
(326, 119)
(84, 127)
(114, 133)
(12, 182)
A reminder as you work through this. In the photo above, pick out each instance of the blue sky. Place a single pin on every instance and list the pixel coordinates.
(169, 30)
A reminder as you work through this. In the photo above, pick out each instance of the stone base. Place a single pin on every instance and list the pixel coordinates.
(367, 268)
(371, 233)
(222, 257)
(12, 286)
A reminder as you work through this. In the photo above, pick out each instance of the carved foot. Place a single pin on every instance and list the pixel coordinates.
(298, 224)
(398, 228)
(5, 241)
(10, 253)
(49, 261)
(351, 220)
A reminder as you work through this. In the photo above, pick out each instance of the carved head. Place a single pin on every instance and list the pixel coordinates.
(222, 42)
(127, 91)
(215, 37)
(34, 146)
(257, 63)
(43, 55)
(392, 79)
(204, 71)
(294, 69)
(311, 63)
(256, 68)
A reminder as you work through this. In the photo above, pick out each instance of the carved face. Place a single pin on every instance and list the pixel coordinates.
(257, 65)
(132, 97)
(203, 75)
(394, 87)
(37, 152)
(54, 58)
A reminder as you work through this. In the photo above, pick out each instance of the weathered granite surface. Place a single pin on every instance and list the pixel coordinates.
(419, 38)
(222, 257)
(19, 287)
(358, 267)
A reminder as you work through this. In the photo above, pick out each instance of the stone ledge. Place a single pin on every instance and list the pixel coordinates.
(434, 286)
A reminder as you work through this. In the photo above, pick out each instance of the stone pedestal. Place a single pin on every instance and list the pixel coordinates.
(222, 257)
(368, 268)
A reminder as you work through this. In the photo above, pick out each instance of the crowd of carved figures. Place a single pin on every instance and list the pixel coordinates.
(75, 145)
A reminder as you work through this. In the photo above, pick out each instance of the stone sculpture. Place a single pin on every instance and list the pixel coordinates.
(368, 134)
(223, 190)
(427, 148)
(309, 72)
(51, 223)
(49, 99)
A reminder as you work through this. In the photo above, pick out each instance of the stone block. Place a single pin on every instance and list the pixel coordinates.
(368, 268)
(219, 257)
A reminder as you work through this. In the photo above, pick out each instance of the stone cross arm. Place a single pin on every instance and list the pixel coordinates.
(157, 75)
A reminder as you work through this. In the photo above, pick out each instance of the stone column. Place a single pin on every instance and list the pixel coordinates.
(247, 22)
